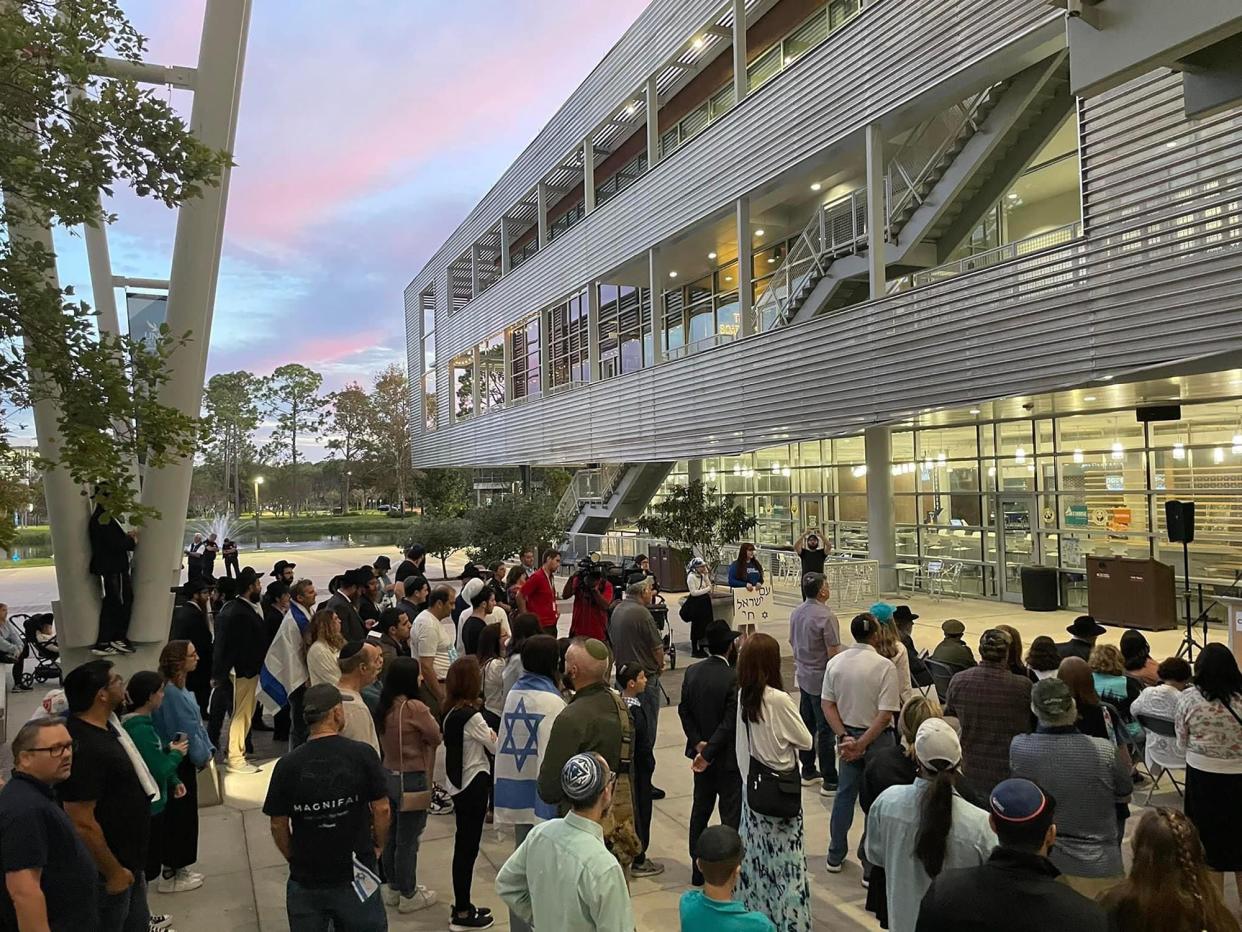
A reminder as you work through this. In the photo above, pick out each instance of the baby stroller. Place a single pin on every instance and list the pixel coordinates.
(44, 654)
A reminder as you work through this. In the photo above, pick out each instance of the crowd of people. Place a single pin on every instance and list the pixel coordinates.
(994, 789)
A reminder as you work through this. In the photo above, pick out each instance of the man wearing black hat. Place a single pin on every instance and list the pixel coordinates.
(708, 711)
(328, 805)
(241, 644)
(283, 572)
(189, 623)
(1083, 633)
(1017, 889)
(345, 604)
(904, 619)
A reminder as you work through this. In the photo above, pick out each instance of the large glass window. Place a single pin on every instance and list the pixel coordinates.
(525, 351)
(462, 377)
(624, 329)
(492, 374)
(427, 308)
(569, 355)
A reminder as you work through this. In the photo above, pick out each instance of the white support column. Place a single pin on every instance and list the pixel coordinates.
(653, 124)
(741, 81)
(593, 331)
(656, 273)
(588, 173)
(745, 268)
(475, 270)
(541, 199)
(877, 212)
(191, 299)
(506, 243)
(881, 532)
(68, 511)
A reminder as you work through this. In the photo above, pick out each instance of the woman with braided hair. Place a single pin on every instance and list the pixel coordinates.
(1169, 888)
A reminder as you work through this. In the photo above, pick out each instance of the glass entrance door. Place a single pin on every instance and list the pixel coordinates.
(1017, 517)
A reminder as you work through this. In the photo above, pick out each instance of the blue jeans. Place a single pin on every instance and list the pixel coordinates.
(126, 911)
(849, 781)
(333, 909)
(812, 711)
(401, 848)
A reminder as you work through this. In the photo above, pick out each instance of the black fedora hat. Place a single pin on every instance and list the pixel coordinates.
(903, 613)
(246, 578)
(1085, 626)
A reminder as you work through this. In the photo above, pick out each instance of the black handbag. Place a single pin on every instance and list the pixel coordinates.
(770, 792)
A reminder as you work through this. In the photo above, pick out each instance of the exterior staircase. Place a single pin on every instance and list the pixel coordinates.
(941, 178)
(598, 497)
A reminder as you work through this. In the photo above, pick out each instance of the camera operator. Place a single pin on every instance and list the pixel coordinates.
(592, 595)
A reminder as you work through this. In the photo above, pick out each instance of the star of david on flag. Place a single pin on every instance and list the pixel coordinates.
(510, 744)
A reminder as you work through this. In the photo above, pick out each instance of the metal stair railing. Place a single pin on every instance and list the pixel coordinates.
(927, 151)
(835, 229)
(840, 228)
(588, 487)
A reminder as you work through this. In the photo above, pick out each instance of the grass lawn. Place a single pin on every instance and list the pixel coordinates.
(306, 525)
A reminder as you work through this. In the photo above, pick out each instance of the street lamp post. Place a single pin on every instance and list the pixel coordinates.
(258, 541)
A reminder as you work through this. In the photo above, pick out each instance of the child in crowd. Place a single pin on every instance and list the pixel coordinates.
(631, 681)
(719, 858)
(45, 634)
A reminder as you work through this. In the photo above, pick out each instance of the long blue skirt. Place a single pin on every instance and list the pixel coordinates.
(774, 878)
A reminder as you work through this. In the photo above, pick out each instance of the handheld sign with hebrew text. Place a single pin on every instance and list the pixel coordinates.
(751, 607)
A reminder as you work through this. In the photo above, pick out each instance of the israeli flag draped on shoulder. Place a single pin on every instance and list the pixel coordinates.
(284, 667)
(525, 727)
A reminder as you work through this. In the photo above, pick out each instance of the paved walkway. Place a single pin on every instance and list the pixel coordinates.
(246, 875)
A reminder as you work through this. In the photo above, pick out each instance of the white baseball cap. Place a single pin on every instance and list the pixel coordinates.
(937, 745)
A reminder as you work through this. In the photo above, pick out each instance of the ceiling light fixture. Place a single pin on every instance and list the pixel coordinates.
(1019, 455)
(975, 411)
(711, 255)
(1179, 451)
(1078, 457)
(817, 187)
(1218, 455)
(758, 232)
(771, 260)
(672, 274)
(1119, 451)
(698, 43)
(1089, 398)
(629, 111)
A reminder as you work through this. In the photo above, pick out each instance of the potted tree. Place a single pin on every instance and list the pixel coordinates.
(696, 521)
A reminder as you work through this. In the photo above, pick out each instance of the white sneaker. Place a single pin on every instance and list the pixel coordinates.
(421, 899)
(160, 922)
(179, 884)
(186, 874)
(391, 896)
(244, 767)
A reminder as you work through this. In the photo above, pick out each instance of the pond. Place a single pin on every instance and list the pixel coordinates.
(246, 542)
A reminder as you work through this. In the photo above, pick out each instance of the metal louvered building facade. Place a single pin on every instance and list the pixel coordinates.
(1145, 277)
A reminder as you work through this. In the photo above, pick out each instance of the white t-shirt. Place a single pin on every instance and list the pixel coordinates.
(862, 684)
(430, 638)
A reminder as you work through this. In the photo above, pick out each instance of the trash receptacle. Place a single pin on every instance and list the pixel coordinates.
(1039, 589)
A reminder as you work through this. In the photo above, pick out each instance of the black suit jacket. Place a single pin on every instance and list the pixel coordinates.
(189, 623)
(352, 628)
(1075, 648)
(708, 711)
(241, 641)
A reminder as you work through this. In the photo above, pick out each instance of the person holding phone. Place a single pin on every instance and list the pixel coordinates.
(812, 550)
(145, 692)
(176, 720)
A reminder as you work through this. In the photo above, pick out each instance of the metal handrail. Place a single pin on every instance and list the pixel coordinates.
(835, 229)
(688, 349)
(588, 486)
(982, 260)
(969, 111)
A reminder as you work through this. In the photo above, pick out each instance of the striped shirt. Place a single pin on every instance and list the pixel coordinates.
(1087, 777)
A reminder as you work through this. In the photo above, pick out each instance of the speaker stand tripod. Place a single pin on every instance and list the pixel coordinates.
(1189, 643)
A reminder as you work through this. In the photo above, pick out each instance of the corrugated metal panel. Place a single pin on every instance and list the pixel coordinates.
(829, 95)
(1157, 279)
(651, 41)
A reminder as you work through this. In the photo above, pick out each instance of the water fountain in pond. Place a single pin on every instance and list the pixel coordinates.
(226, 525)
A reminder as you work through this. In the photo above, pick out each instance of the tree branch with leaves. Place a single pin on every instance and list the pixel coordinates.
(695, 518)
